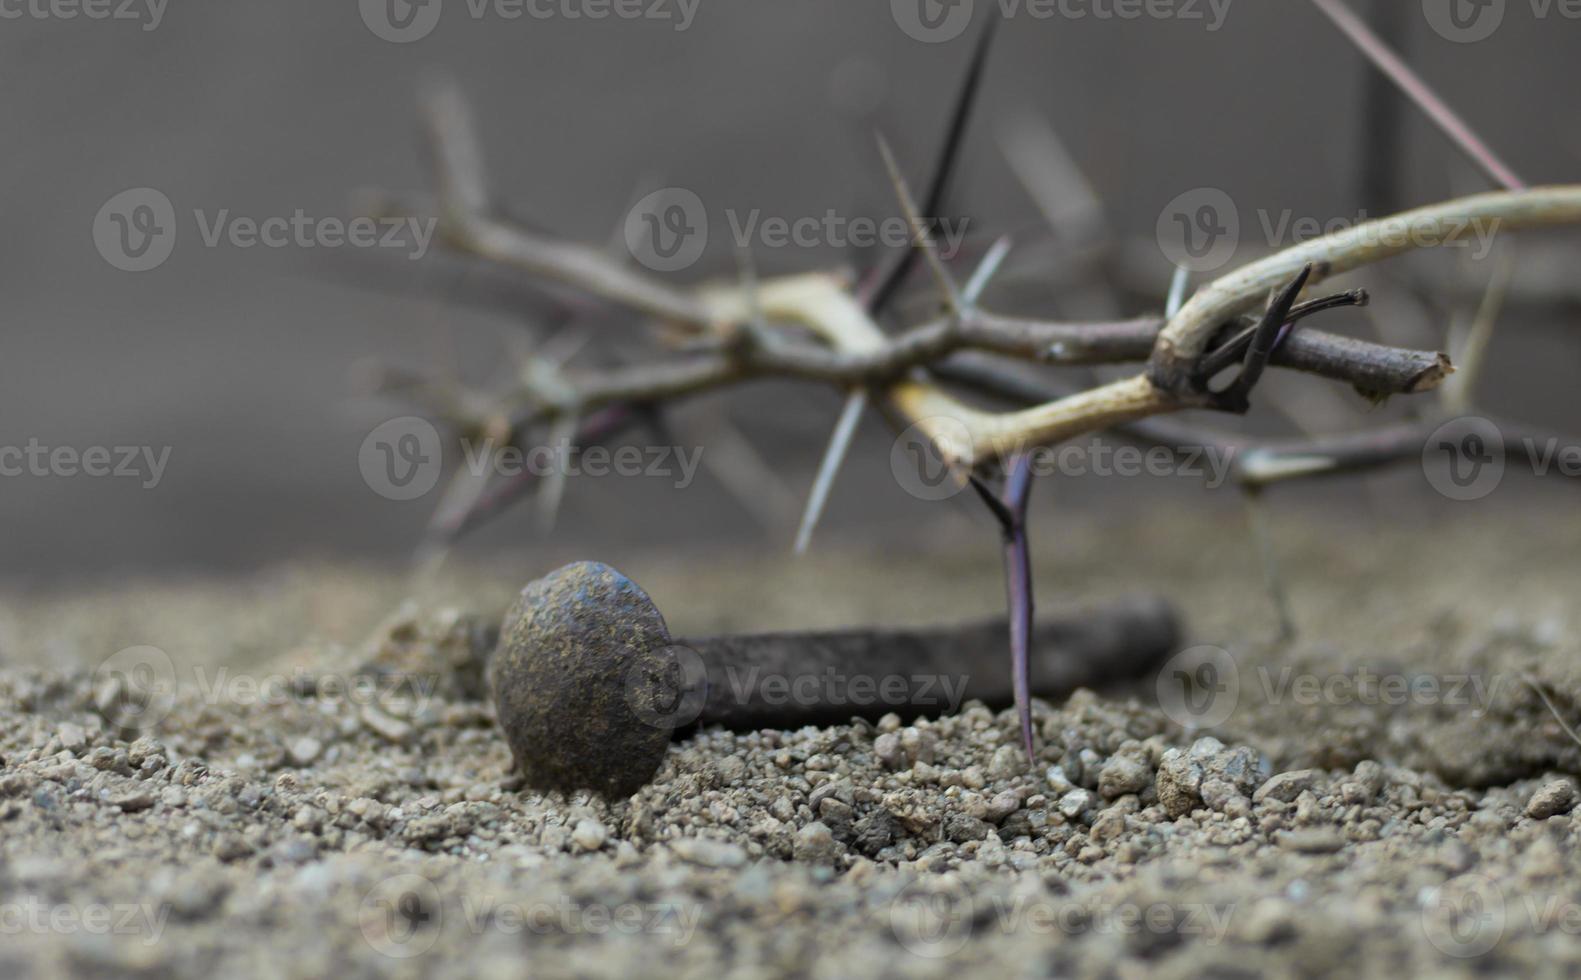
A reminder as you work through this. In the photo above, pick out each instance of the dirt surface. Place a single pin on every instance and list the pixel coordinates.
(316, 785)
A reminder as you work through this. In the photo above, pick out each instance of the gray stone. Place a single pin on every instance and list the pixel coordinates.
(1552, 799)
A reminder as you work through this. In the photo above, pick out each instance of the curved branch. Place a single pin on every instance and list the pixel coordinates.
(1188, 333)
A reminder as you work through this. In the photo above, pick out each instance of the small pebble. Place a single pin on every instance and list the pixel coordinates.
(1310, 840)
(1286, 786)
(1122, 775)
(815, 844)
(305, 751)
(72, 737)
(1553, 799)
(391, 729)
(709, 853)
(589, 835)
(133, 801)
(1075, 803)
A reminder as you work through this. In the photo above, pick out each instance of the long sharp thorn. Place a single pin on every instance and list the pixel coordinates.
(1420, 92)
(990, 499)
(1018, 592)
(949, 155)
(985, 271)
(1537, 688)
(1177, 291)
(1235, 350)
(1272, 327)
(1472, 356)
(834, 455)
(495, 500)
(921, 238)
(1264, 340)
(456, 152)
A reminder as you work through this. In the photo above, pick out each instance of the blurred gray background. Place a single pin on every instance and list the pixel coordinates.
(239, 360)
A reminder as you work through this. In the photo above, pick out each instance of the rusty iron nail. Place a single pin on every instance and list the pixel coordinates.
(591, 688)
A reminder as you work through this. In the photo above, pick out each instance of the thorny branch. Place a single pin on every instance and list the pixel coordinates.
(822, 328)
(854, 350)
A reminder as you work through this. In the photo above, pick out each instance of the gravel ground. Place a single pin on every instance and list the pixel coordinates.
(1386, 794)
